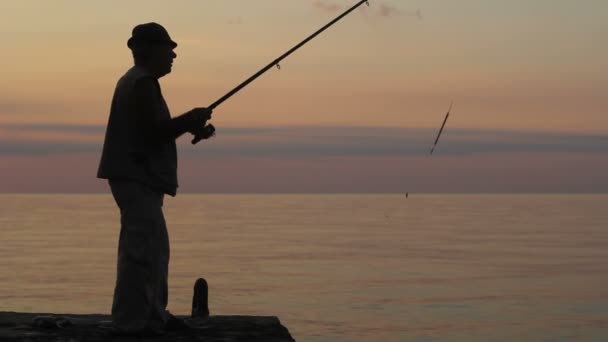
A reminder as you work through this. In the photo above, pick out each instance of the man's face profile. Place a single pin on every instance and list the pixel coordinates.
(161, 58)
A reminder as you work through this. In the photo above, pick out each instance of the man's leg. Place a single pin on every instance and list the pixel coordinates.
(140, 295)
(162, 275)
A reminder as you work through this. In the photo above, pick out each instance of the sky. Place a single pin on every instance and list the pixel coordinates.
(354, 111)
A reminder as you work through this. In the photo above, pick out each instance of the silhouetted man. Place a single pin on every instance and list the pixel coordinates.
(139, 160)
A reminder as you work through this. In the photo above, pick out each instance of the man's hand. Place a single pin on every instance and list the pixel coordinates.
(200, 130)
(198, 118)
(203, 133)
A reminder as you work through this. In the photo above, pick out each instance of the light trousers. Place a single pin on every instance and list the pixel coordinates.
(140, 295)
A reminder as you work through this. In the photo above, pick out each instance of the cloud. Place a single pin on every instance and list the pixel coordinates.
(389, 11)
(365, 142)
(42, 148)
(235, 20)
(311, 142)
(322, 159)
(47, 138)
(325, 6)
(9, 106)
(382, 10)
(61, 128)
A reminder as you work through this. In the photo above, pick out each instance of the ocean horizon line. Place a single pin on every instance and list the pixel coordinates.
(327, 193)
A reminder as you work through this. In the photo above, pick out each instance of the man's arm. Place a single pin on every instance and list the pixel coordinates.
(147, 110)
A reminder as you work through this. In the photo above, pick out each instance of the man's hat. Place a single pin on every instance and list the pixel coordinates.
(150, 33)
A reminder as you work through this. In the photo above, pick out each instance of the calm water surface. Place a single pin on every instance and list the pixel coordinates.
(336, 267)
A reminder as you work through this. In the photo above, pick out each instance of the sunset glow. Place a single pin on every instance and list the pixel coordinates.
(529, 70)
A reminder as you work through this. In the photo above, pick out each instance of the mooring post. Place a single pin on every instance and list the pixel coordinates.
(200, 299)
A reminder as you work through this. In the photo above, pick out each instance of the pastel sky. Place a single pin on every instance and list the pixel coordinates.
(355, 110)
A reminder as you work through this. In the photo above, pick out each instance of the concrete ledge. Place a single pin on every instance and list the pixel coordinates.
(17, 326)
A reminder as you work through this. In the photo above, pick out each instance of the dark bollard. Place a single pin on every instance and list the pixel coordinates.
(200, 299)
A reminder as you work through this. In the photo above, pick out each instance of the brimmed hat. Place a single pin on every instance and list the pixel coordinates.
(150, 33)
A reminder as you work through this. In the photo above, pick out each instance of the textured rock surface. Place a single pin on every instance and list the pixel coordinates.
(32, 327)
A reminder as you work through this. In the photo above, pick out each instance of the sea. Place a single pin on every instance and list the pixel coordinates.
(343, 267)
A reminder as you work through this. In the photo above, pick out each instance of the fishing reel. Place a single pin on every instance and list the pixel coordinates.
(203, 133)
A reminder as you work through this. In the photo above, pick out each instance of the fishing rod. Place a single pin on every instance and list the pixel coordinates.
(442, 125)
(208, 130)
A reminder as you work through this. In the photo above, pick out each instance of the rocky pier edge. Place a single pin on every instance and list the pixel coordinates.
(44, 327)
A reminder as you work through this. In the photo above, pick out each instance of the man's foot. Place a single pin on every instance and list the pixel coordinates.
(176, 324)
